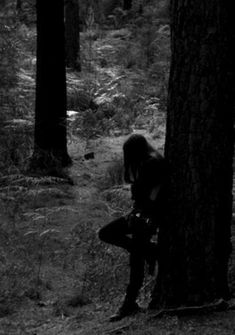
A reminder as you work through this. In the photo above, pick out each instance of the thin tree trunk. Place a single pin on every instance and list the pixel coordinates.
(127, 4)
(50, 113)
(2, 4)
(194, 237)
(72, 35)
(18, 5)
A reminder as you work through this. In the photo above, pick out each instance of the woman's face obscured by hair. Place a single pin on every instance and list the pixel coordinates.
(135, 148)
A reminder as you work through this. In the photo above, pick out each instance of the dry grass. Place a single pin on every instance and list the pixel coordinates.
(56, 277)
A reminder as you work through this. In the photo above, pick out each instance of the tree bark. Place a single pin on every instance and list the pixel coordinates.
(127, 4)
(50, 143)
(194, 237)
(18, 5)
(72, 34)
(2, 4)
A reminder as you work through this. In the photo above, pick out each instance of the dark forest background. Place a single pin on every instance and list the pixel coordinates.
(70, 94)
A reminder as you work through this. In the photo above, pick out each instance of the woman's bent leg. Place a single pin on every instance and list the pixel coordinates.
(129, 305)
(116, 233)
(137, 262)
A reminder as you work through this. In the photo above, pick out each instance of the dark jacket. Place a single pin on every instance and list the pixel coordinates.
(152, 175)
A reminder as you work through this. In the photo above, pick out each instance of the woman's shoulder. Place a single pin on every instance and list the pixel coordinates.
(155, 164)
(155, 158)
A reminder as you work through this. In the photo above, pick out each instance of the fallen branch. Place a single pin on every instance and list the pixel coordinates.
(220, 305)
(120, 329)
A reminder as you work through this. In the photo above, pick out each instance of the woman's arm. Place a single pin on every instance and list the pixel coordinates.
(146, 188)
(154, 193)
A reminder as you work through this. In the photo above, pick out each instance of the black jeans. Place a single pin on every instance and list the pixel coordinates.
(137, 242)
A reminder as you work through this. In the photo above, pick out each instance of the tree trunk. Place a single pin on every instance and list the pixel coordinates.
(18, 5)
(194, 237)
(50, 113)
(72, 35)
(2, 4)
(127, 4)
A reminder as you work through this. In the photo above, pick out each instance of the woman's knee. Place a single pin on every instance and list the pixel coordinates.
(110, 232)
(103, 234)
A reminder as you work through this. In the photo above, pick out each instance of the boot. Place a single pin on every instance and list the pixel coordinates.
(127, 309)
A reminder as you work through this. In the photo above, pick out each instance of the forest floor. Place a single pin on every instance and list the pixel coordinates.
(78, 281)
(56, 277)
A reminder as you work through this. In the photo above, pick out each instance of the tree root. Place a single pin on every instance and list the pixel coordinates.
(217, 306)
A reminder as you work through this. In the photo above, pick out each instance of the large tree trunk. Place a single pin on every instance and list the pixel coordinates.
(50, 114)
(72, 34)
(194, 236)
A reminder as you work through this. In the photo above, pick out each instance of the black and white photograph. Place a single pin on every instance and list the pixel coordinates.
(117, 208)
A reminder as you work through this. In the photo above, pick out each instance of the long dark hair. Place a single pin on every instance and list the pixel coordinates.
(136, 150)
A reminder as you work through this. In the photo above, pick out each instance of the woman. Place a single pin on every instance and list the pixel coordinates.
(145, 170)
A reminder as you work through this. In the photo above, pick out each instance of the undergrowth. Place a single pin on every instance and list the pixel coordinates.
(124, 71)
(48, 236)
(16, 131)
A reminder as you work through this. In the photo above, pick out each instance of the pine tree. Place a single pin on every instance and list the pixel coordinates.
(194, 238)
(50, 146)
